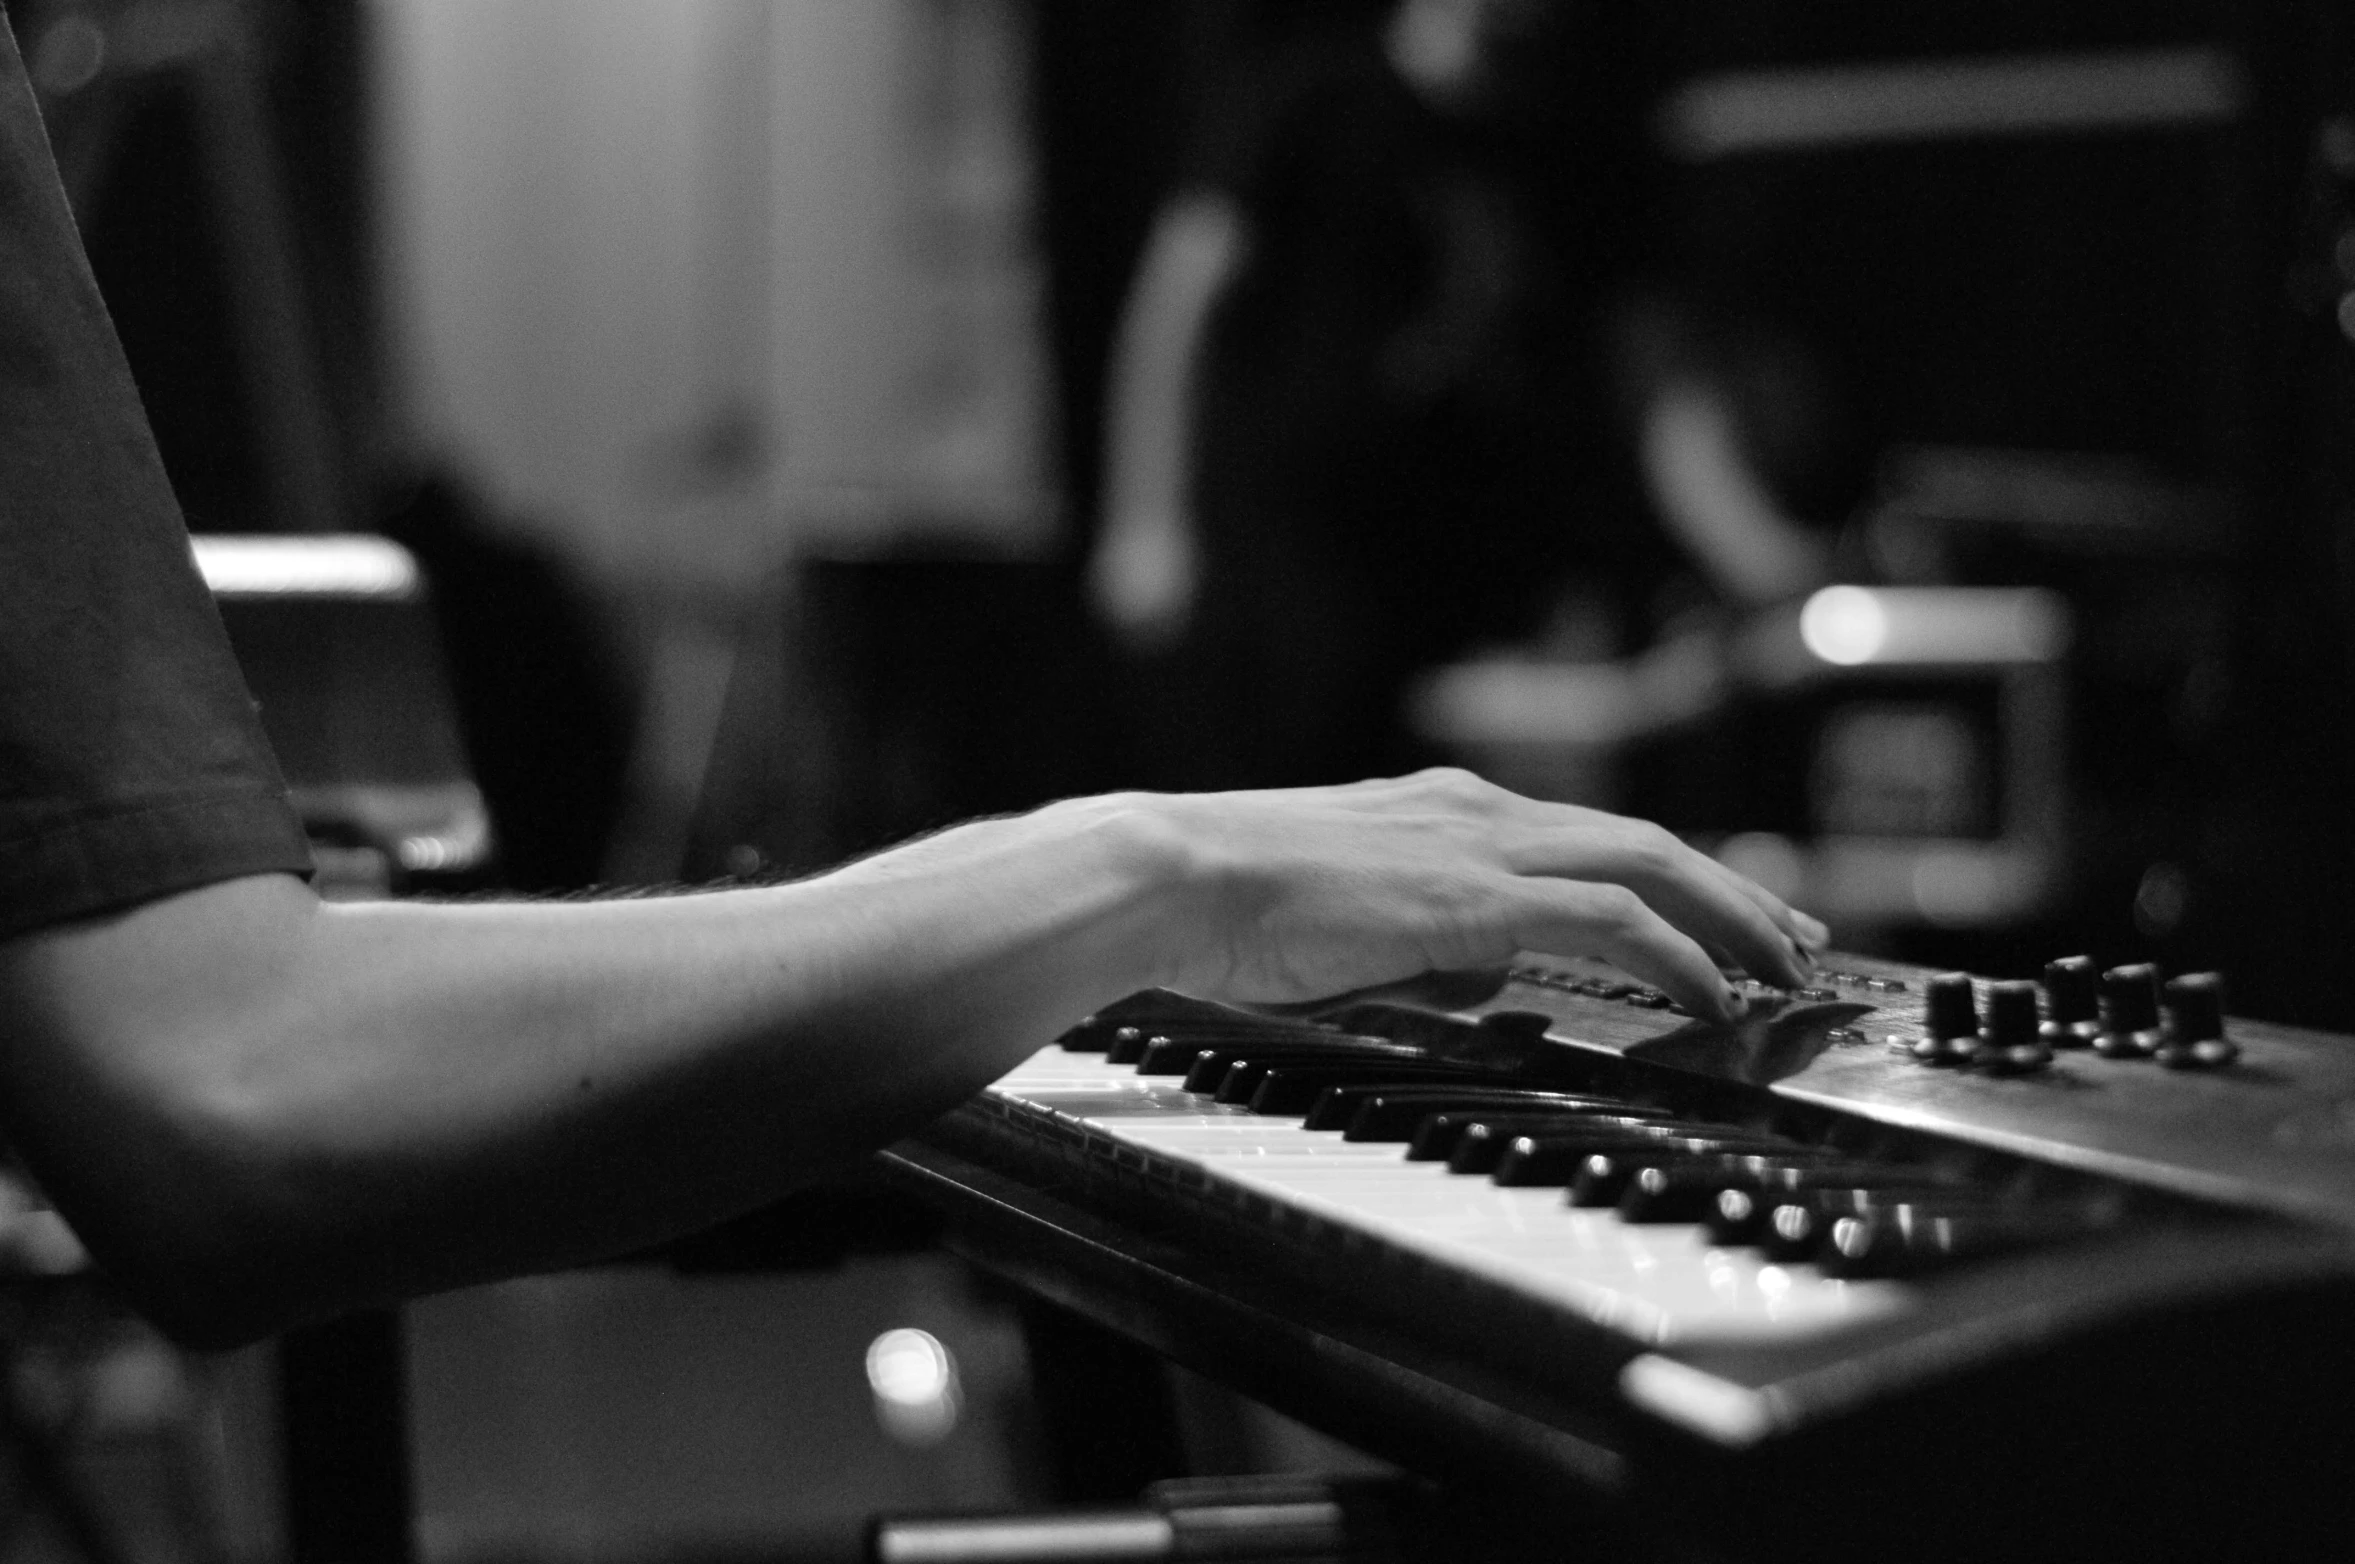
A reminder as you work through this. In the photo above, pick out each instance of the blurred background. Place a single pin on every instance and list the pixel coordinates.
(1907, 449)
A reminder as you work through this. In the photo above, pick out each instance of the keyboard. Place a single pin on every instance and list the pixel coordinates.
(1881, 1254)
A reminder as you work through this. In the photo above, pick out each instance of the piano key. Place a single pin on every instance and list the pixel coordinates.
(1437, 1137)
(1169, 1015)
(1553, 1158)
(1797, 1226)
(1909, 1237)
(1164, 1054)
(1390, 1113)
(1658, 1282)
(1292, 1089)
(1605, 1178)
(1211, 1065)
(1130, 1043)
(1484, 1143)
(1689, 1191)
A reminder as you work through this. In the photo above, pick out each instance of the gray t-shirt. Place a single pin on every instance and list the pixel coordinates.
(131, 761)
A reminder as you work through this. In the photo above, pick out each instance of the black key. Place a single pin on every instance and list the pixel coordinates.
(1487, 1138)
(1791, 1230)
(1292, 1089)
(1605, 1175)
(1168, 1014)
(1552, 1158)
(1737, 1217)
(1375, 1113)
(1685, 1188)
(1209, 1069)
(1688, 1191)
(1238, 1080)
(1439, 1137)
(1745, 1217)
(1131, 1044)
(1091, 1036)
(1124, 1045)
(1794, 1226)
(1907, 1238)
(1178, 1055)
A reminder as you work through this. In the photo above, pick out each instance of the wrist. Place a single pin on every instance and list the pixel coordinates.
(1146, 845)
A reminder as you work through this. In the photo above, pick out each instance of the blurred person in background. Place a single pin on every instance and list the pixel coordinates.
(1389, 381)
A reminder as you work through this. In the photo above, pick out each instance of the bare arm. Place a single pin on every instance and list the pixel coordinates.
(256, 1107)
(1143, 571)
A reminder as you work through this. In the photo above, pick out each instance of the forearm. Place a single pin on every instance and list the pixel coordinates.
(304, 1106)
(255, 1107)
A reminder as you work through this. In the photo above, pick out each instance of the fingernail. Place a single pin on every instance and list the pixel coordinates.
(1730, 1000)
(1810, 930)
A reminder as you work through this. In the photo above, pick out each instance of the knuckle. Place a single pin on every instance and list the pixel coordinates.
(1620, 909)
(1655, 848)
(1457, 786)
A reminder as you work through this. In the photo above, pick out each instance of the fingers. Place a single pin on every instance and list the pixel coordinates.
(1640, 855)
(1804, 936)
(1571, 917)
(1698, 914)
(1812, 936)
(1716, 909)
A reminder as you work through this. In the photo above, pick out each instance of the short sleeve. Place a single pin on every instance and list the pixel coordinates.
(132, 763)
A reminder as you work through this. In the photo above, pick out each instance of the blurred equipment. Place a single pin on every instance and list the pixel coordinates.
(860, 700)
(1890, 757)
(337, 643)
(1917, 751)
(2033, 250)
(2021, 242)
(1890, 1258)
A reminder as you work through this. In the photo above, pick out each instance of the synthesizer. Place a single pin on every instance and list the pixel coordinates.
(1904, 1264)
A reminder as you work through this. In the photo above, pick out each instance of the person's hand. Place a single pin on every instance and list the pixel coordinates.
(1142, 580)
(1313, 892)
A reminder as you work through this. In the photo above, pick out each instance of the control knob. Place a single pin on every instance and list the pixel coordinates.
(2012, 1042)
(2129, 1012)
(2194, 1032)
(2072, 990)
(1950, 1021)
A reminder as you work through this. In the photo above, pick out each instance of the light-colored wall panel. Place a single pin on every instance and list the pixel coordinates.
(693, 282)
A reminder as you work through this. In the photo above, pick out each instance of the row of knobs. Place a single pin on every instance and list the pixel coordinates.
(2124, 1013)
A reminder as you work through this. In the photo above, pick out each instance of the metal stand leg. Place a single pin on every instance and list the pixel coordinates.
(1108, 1420)
(344, 1394)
